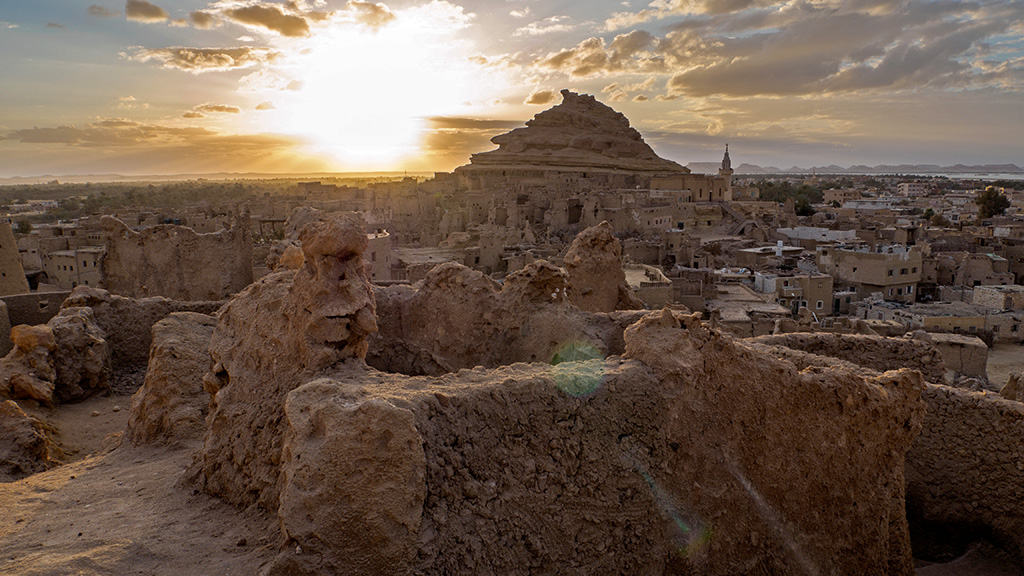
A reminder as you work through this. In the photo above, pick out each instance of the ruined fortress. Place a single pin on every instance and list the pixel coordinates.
(546, 423)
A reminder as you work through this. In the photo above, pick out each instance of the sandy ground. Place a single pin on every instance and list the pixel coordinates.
(87, 427)
(120, 510)
(1003, 359)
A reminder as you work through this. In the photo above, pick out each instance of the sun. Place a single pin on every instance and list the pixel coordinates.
(362, 96)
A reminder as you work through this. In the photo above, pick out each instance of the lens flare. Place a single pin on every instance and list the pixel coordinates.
(578, 368)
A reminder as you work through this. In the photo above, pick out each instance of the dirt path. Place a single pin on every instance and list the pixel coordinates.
(126, 512)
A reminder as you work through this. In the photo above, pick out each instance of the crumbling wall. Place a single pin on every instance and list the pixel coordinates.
(127, 322)
(874, 352)
(171, 405)
(597, 282)
(965, 469)
(31, 309)
(459, 318)
(964, 355)
(176, 262)
(689, 454)
(272, 338)
(601, 466)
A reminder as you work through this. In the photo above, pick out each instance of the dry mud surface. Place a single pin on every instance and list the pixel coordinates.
(123, 513)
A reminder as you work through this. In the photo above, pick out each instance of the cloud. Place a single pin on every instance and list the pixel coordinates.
(142, 11)
(269, 17)
(55, 25)
(540, 97)
(592, 57)
(130, 103)
(451, 139)
(7, 25)
(660, 9)
(203, 20)
(200, 60)
(217, 108)
(178, 23)
(743, 48)
(546, 26)
(461, 123)
(265, 106)
(370, 14)
(520, 13)
(191, 114)
(101, 11)
(126, 146)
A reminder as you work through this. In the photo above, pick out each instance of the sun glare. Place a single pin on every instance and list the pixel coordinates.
(363, 96)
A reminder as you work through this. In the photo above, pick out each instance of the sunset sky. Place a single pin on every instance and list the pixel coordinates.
(257, 86)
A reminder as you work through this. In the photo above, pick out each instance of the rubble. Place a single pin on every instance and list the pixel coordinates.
(28, 370)
(81, 358)
(26, 447)
(65, 360)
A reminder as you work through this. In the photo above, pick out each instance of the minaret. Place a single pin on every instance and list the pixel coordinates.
(725, 173)
(726, 169)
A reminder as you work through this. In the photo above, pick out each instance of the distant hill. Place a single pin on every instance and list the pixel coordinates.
(712, 167)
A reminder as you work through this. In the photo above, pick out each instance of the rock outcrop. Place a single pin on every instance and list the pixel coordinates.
(273, 337)
(171, 405)
(579, 132)
(459, 318)
(176, 262)
(25, 445)
(597, 282)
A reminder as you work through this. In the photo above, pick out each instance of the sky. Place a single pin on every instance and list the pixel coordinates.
(193, 86)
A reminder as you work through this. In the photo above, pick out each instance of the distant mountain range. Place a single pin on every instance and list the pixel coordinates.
(923, 169)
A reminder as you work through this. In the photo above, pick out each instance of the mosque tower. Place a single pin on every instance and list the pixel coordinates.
(726, 169)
